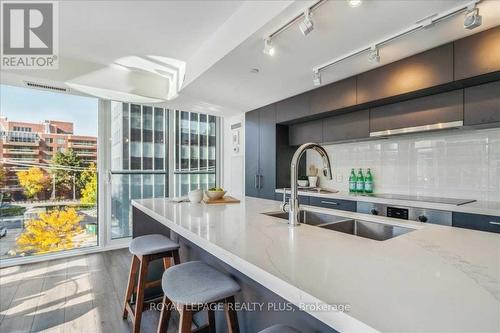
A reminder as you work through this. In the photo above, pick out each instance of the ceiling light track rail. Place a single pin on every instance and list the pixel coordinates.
(295, 19)
(422, 24)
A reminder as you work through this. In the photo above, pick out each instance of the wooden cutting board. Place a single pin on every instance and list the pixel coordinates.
(224, 200)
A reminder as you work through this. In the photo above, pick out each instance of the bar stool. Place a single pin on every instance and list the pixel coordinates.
(145, 249)
(280, 329)
(195, 286)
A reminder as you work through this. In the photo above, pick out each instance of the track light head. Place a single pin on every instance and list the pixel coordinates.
(268, 47)
(307, 25)
(374, 55)
(355, 3)
(316, 78)
(472, 18)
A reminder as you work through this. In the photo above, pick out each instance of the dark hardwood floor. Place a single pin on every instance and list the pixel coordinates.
(79, 294)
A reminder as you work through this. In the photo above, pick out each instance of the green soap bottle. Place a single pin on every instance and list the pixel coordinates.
(352, 181)
(360, 182)
(369, 182)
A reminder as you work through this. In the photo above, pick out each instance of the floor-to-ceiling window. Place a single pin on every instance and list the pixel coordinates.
(139, 159)
(48, 172)
(195, 151)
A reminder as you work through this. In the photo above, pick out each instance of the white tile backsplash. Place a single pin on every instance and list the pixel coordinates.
(456, 163)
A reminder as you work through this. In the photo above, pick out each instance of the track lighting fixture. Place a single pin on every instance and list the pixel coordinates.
(472, 18)
(307, 25)
(355, 3)
(316, 78)
(268, 47)
(374, 55)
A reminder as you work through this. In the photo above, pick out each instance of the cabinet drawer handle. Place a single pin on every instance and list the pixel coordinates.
(330, 203)
(256, 181)
(495, 223)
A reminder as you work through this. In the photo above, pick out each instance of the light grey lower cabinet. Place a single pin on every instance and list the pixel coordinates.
(310, 131)
(349, 126)
(482, 104)
(440, 108)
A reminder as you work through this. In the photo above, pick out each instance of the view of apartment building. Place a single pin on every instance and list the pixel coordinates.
(37, 142)
(23, 143)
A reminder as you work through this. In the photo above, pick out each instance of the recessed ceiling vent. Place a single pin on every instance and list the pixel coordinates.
(45, 86)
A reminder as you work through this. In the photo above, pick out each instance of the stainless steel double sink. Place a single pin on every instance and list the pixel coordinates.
(365, 229)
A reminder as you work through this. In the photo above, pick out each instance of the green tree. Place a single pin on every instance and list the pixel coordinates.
(33, 181)
(3, 176)
(89, 180)
(66, 169)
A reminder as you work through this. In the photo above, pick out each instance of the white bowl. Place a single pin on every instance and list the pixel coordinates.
(195, 196)
(214, 195)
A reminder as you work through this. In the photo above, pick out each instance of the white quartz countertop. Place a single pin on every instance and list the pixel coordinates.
(476, 207)
(433, 279)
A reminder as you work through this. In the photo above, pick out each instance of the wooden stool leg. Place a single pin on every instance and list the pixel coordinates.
(166, 262)
(141, 284)
(185, 320)
(165, 315)
(130, 286)
(211, 321)
(175, 256)
(231, 317)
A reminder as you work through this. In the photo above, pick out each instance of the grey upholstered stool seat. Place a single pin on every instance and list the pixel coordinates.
(151, 244)
(197, 283)
(280, 329)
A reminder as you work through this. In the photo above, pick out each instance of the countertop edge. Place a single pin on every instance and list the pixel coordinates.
(339, 321)
(466, 208)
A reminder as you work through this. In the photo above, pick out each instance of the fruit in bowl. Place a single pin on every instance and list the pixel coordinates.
(215, 193)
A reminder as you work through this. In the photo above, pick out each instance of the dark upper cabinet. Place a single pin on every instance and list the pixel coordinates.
(482, 104)
(428, 110)
(334, 96)
(260, 152)
(310, 131)
(293, 108)
(349, 126)
(477, 54)
(421, 71)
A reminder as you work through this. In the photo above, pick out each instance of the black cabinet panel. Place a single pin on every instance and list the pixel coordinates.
(477, 222)
(482, 104)
(293, 108)
(267, 152)
(260, 152)
(310, 131)
(334, 96)
(333, 203)
(440, 108)
(424, 70)
(477, 54)
(349, 126)
(252, 153)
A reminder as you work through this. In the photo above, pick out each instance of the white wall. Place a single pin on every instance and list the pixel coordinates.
(456, 164)
(233, 173)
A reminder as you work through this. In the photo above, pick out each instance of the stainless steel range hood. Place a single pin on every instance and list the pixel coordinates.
(418, 129)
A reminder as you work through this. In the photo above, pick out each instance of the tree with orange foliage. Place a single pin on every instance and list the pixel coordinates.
(33, 181)
(51, 232)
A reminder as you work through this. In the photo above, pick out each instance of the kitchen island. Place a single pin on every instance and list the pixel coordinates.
(433, 278)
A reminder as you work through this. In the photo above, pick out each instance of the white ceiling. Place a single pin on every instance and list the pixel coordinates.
(221, 41)
(339, 29)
